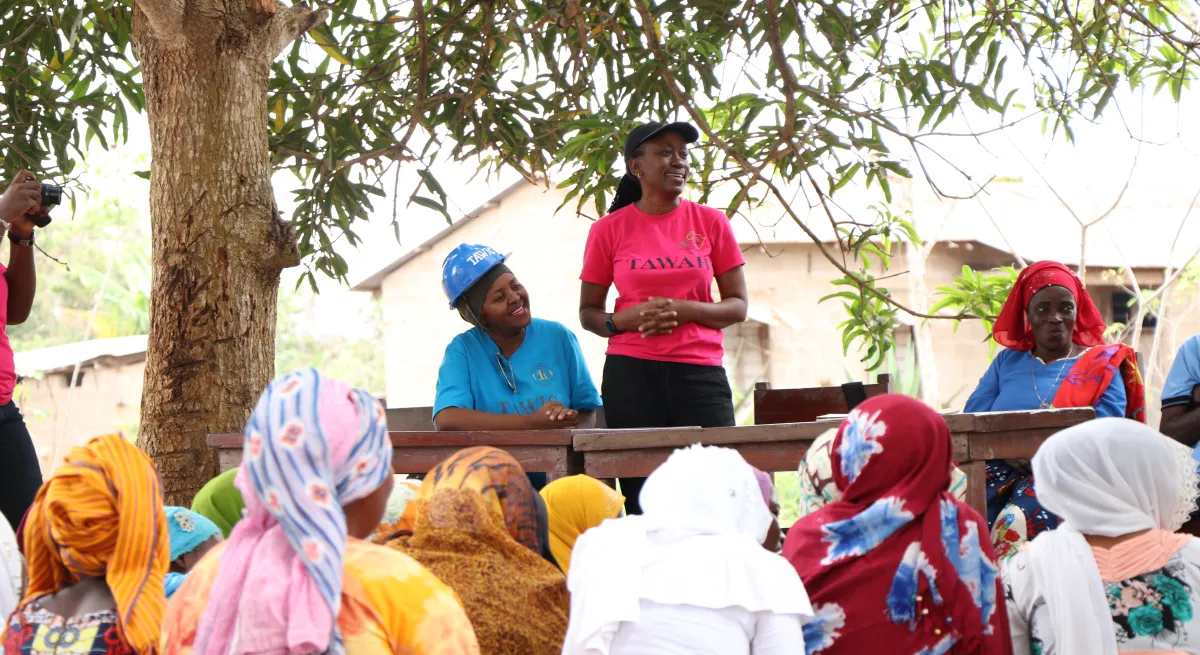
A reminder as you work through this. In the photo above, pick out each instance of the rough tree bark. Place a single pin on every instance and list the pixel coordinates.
(219, 242)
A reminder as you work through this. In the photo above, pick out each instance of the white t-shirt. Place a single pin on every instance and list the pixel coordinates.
(689, 630)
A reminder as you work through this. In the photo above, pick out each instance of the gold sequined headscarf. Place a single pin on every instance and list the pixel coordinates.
(475, 526)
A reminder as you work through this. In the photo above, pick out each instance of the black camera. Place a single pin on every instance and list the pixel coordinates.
(51, 195)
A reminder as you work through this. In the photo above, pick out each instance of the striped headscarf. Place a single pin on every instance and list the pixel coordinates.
(101, 515)
(312, 446)
(495, 476)
(475, 526)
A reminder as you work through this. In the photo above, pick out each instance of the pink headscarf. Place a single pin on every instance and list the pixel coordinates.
(312, 446)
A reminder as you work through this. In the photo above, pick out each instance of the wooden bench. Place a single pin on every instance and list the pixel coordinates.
(780, 447)
(410, 419)
(538, 451)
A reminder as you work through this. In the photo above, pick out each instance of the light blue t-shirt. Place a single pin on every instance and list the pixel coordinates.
(1184, 375)
(547, 367)
(1008, 385)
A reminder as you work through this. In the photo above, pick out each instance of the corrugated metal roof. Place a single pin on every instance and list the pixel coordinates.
(61, 358)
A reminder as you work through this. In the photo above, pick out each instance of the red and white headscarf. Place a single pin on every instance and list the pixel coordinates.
(1012, 328)
(897, 559)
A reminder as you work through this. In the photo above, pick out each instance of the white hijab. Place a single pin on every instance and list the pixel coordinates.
(698, 543)
(10, 570)
(1107, 477)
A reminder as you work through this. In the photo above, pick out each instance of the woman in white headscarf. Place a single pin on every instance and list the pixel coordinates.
(690, 574)
(11, 570)
(1115, 577)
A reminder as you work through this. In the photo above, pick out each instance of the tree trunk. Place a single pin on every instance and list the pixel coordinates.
(218, 241)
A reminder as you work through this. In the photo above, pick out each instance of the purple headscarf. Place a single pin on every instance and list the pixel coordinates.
(765, 485)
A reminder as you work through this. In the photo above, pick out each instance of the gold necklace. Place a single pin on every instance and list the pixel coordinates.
(1044, 403)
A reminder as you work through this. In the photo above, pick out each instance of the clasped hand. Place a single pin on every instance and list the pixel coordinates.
(657, 316)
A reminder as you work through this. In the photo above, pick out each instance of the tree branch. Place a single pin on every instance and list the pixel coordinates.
(996, 224)
(702, 123)
(165, 17)
(291, 23)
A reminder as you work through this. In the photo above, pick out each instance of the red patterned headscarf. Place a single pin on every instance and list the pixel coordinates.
(897, 559)
(1012, 328)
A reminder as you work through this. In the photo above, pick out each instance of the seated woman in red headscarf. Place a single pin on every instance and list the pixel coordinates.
(1054, 356)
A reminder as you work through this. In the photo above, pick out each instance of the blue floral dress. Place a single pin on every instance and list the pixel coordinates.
(1153, 587)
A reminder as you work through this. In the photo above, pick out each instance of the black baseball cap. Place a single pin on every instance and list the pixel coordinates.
(643, 133)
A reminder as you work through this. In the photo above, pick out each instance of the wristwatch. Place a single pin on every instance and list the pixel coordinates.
(612, 327)
(18, 241)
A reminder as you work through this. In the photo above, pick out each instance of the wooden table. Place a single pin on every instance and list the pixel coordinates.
(538, 451)
(780, 447)
(772, 448)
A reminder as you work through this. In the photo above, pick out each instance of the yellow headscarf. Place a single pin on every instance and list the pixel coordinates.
(575, 505)
(101, 515)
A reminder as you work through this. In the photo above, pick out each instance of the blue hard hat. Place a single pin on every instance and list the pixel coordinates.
(464, 266)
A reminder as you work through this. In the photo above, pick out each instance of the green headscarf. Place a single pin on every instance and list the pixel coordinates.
(220, 502)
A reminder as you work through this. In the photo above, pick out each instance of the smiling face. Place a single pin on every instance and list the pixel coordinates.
(663, 165)
(506, 307)
(1051, 317)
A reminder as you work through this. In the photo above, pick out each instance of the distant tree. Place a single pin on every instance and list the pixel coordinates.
(105, 241)
(790, 95)
(355, 358)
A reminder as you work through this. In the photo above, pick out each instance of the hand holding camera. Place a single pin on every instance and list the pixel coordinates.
(26, 204)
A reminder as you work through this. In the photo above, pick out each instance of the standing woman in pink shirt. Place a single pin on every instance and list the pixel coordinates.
(664, 365)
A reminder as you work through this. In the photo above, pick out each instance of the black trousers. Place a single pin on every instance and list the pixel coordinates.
(641, 393)
(20, 473)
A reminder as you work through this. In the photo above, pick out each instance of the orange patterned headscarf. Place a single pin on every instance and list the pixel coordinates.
(101, 515)
(475, 526)
(498, 478)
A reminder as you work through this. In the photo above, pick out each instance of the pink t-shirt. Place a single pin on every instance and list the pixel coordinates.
(674, 255)
(8, 369)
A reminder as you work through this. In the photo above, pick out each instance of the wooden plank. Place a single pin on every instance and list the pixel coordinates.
(225, 441)
(769, 457)
(499, 439)
(553, 460)
(229, 459)
(596, 440)
(460, 440)
(961, 449)
(977, 487)
(1042, 418)
(534, 459)
(959, 422)
(1009, 444)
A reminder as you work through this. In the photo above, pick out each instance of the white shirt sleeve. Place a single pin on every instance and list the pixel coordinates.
(777, 634)
(1016, 589)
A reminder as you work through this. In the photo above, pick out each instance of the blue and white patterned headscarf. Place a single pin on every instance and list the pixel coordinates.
(312, 446)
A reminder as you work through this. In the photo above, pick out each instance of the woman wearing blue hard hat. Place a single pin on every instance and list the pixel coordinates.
(510, 371)
(662, 252)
